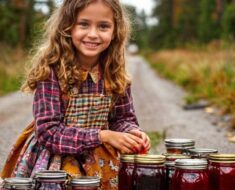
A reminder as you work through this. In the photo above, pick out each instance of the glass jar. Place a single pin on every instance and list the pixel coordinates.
(179, 146)
(149, 172)
(85, 183)
(222, 171)
(18, 183)
(201, 152)
(190, 174)
(125, 174)
(51, 180)
(170, 167)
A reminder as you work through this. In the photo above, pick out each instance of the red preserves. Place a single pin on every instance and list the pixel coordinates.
(170, 167)
(222, 171)
(125, 175)
(190, 174)
(149, 172)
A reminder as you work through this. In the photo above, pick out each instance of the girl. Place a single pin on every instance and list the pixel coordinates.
(83, 108)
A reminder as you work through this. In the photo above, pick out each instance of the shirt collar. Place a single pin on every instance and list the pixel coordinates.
(94, 74)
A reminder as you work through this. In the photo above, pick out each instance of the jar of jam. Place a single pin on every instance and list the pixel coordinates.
(85, 183)
(201, 152)
(179, 146)
(149, 172)
(50, 180)
(125, 174)
(170, 167)
(222, 171)
(18, 183)
(190, 174)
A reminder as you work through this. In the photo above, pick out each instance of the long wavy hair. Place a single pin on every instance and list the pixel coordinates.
(57, 49)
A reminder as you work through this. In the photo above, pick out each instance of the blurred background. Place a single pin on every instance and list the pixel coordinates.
(190, 42)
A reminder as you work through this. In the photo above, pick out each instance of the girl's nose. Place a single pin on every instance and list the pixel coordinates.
(93, 33)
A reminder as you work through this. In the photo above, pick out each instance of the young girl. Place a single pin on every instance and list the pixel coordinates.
(83, 109)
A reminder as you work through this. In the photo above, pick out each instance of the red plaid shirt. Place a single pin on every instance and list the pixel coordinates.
(49, 110)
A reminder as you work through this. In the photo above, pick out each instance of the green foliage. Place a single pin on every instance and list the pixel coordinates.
(206, 27)
(9, 25)
(228, 22)
(163, 34)
(139, 27)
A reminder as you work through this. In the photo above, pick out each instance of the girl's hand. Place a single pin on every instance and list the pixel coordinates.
(146, 145)
(126, 143)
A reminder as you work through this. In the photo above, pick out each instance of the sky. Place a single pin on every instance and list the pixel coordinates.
(140, 5)
(147, 5)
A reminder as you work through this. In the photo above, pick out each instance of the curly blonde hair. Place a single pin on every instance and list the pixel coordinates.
(57, 49)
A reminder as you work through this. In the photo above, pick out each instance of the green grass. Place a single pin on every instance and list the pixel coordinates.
(204, 74)
(12, 62)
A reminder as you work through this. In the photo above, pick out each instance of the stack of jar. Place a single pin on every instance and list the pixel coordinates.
(51, 180)
(182, 167)
(205, 170)
(142, 172)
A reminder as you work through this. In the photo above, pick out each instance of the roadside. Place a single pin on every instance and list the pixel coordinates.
(158, 107)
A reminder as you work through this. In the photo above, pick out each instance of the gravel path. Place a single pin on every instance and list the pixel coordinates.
(158, 107)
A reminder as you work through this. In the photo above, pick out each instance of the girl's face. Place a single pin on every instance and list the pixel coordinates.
(94, 30)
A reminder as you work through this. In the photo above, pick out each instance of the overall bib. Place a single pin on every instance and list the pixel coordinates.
(83, 111)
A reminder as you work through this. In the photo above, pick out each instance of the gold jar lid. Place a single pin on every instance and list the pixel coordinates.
(222, 158)
(150, 158)
(127, 158)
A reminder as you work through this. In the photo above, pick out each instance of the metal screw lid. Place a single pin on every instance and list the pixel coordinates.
(18, 183)
(191, 163)
(127, 158)
(52, 175)
(201, 152)
(150, 158)
(86, 181)
(222, 158)
(179, 143)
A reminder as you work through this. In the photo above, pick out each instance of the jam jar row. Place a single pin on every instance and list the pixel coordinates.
(178, 172)
(51, 180)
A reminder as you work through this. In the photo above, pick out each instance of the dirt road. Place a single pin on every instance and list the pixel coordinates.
(158, 107)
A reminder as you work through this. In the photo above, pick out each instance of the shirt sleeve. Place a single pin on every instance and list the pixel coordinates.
(51, 132)
(122, 117)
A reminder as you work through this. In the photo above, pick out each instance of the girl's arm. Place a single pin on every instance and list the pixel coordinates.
(126, 134)
(51, 132)
(122, 117)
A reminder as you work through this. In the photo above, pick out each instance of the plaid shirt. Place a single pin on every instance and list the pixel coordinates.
(49, 110)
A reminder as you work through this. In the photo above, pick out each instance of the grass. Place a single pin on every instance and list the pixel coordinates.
(155, 138)
(208, 73)
(12, 61)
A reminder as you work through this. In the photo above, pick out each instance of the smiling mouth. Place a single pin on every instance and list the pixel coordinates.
(91, 44)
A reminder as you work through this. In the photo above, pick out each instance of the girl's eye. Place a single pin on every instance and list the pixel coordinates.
(104, 26)
(83, 24)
